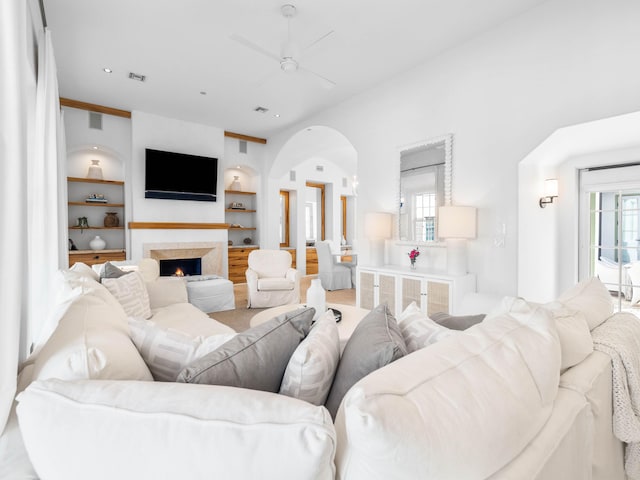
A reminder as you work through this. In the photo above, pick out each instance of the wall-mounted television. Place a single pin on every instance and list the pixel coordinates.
(178, 176)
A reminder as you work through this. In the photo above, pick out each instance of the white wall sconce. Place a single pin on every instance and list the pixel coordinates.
(457, 224)
(377, 228)
(550, 192)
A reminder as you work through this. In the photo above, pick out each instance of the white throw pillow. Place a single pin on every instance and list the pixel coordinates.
(167, 351)
(85, 270)
(575, 338)
(131, 292)
(419, 330)
(167, 291)
(91, 341)
(311, 368)
(576, 341)
(591, 297)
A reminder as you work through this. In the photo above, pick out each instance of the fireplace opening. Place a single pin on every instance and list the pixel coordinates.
(180, 267)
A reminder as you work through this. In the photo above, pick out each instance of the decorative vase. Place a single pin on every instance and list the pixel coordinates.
(95, 171)
(413, 264)
(316, 298)
(97, 243)
(111, 219)
(235, 185)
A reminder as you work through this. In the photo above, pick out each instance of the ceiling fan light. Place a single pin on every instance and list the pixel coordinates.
(288, 64)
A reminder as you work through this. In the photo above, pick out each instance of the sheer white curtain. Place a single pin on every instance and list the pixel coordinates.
(29, 178)
(13, 192)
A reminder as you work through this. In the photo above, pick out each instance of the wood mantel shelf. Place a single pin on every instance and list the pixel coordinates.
(178, 226)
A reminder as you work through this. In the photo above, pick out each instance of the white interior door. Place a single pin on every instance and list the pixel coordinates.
(610, 231)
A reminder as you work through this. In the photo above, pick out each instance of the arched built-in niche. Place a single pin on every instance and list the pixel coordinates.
(315, 154)
(548, 237)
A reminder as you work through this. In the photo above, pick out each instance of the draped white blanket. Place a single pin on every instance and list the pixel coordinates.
(619, 337)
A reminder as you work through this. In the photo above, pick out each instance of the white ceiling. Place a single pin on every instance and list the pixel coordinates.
(185, 47)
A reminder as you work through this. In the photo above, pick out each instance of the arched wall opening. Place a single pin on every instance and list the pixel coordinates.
(316, 154)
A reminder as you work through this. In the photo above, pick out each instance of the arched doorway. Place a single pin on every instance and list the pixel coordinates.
(314, 156)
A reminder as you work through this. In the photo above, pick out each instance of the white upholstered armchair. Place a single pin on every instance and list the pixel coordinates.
(270, 279)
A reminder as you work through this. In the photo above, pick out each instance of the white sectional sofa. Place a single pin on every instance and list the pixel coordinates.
(521, 395)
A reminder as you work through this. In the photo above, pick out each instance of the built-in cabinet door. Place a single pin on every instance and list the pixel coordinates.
(398, 291)
(438, 294)
(412, 291)
(386, 287)
(366, 290)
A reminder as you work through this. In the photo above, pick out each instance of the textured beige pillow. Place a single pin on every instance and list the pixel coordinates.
(131, 292)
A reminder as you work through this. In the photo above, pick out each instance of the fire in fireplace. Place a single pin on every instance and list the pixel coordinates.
(180, 267)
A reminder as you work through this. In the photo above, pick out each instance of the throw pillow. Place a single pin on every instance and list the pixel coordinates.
(571, 326)
(418, 330)
(167, 291)
(109, 270)
(375, 342)
(592, 298)
(90, 341)
(167, 351)
(255, 358)
(457, 322)
(132, 294)
(576, 342)
(312, 366)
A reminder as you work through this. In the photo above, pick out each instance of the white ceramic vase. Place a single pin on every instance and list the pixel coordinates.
(97, 243)
(235, 185)
(95, 171)
(316, 298)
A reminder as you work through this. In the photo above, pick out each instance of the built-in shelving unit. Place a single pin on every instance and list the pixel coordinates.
(243, 232)
(78, 190)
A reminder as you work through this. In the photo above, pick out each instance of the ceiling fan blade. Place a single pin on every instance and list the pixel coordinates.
(318, 40)
(256, 48)
(325, 82)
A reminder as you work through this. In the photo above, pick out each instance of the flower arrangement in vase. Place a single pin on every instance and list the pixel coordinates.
(413, 254)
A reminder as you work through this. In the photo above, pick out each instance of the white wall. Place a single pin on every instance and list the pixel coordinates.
(153, 131)
(501, 94)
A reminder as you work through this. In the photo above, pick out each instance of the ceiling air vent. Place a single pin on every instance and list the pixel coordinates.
(95, 120)
(242, 144)
(319, 168)
(137, 76)
(261, 110)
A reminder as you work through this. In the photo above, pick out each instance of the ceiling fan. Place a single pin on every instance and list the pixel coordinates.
(288, 58)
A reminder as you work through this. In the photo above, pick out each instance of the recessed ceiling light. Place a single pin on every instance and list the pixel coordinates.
(95, 148)
(107, 70)
(277, 115)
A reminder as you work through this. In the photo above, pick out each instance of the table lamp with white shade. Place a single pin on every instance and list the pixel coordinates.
(456, 224)
(377, 228)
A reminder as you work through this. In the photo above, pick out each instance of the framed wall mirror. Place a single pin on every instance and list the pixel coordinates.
(425, 184)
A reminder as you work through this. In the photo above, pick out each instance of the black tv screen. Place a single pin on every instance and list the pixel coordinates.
(179, 176)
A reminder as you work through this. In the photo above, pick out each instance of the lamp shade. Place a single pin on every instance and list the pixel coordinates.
(551, 187)
(456, 222)
(377, 225)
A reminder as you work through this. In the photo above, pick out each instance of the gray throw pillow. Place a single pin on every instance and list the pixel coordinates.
(375, 342)
(460, 322)
(255, 358)
(109, 270)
